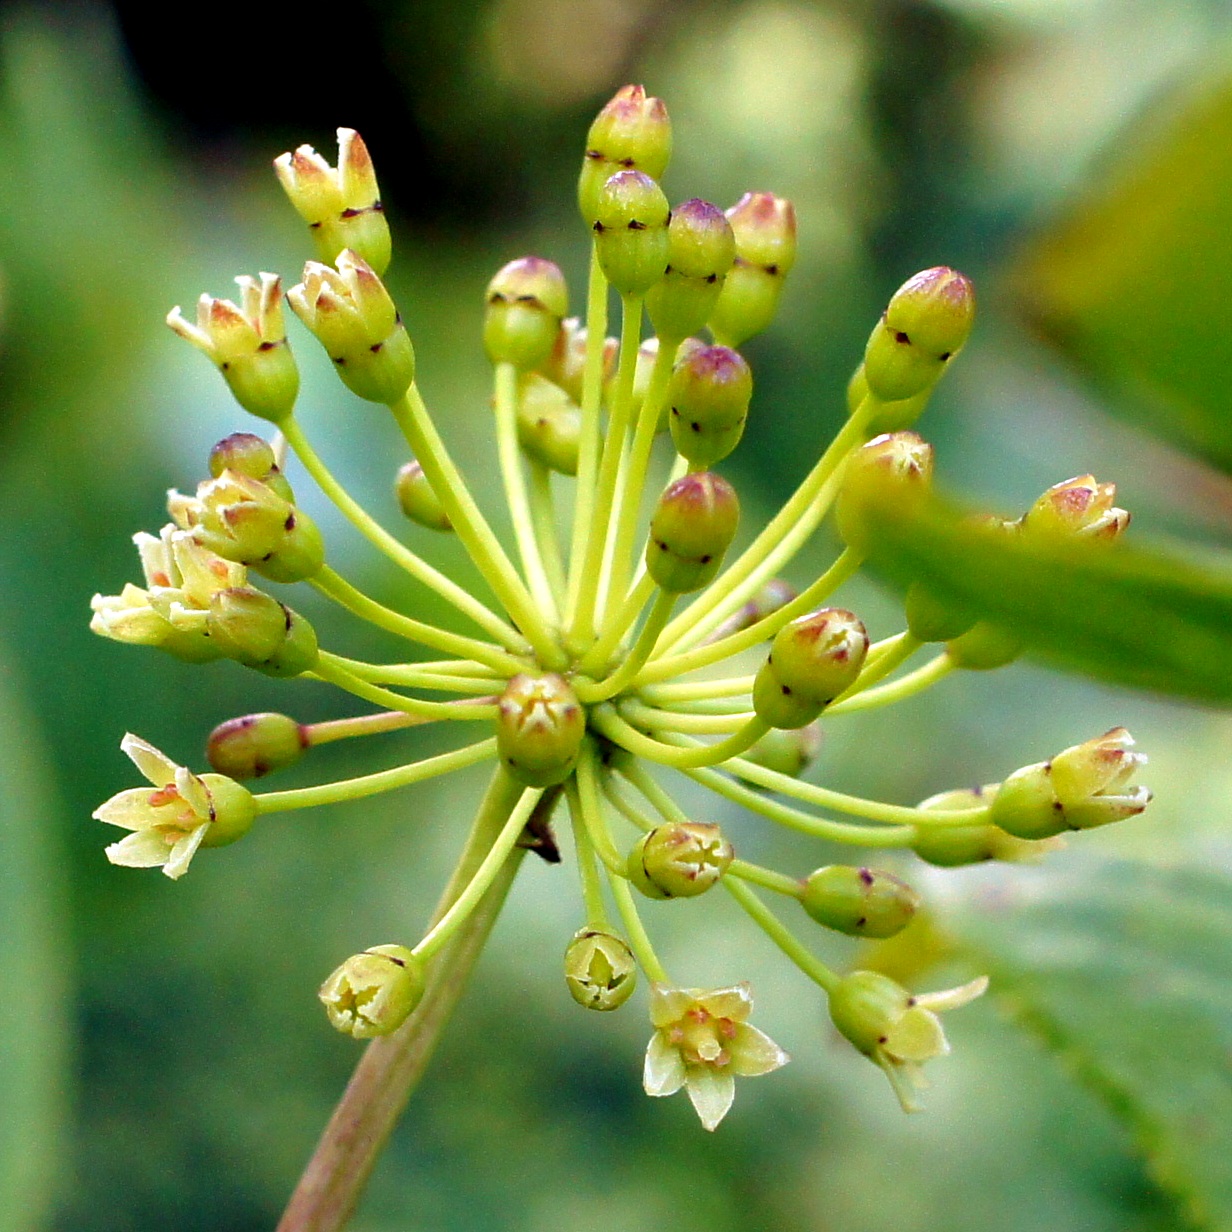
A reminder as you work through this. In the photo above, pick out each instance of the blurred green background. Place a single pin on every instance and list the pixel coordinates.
(164, 1062)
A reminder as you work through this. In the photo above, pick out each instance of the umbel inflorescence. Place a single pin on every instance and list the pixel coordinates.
(622, 653)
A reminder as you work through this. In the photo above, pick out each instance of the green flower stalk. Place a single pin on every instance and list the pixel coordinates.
(621, 654)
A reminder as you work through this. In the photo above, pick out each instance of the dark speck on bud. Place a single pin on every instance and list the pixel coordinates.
(526, 302)
(693, 525)
(632, 132)
(861, 902)
(600, 972)
(631, 232)
(253, 745)
(811, 661)
(708, 399)
(679, 860)
(701, 249)
(539, 728)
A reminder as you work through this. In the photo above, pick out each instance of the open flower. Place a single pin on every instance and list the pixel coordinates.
(702, 1042)
(897, 1031)
(183, 812)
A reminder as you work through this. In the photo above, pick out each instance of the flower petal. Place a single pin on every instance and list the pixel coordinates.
(916, 1036)
(905, 1079)
(754, 1053)
(712, 1094)
(194, 793)
(183, 852)
(735, 1002)
(130, 809)
(143, 849)
(668, 1005)
(664, 1072)
(952, 998)
(156, 766)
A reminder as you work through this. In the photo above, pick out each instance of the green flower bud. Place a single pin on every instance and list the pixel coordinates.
(566, 364)
(811, 661)
(632, 132)
(774, 594)
(984, 647)
(342, 207)
(246, 521)
(253, 745)
(549, 425)
(1079, 508)
(787, 751)
(630, 231)
(373, 993)
(864, 1005)
(233, 809)
(925, 325)
(765, 231)
(953, 846)
(1026, 805)
(417, 500)
(527, 300)
(256, 630)
(931, 619)
(889, 416)
(693, 525)
(708, 396)
(861, 902)
(539, 728)
(249, 455)
(354, 319)
(600, 972)
(248, 344)
(701, 249)
(897, 462)
(679, 860)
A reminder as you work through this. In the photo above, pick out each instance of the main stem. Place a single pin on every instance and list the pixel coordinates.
(389, 1070)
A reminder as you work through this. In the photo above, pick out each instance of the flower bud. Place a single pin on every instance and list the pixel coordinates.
(693, 525)
(256, 630)
(373, 993)
(253, 745)
(934, 620)
(953, 846)
(787, 751)
(679, 860)
(539, 728)
(252, 456)
(527, 300)
(1079, 508)
(774, 594)
(889, 416)
(417, 499)
(248, 344)
(599, 970)
(708, 396)
(811, 661)
(549, 425)
(630, 231)
(984, 647)
(864, 1005)
(925, 325)
(566, 364)
(765, 229)
(897, 462)
(861, 902)
(244, 520)
(632, 132)
(350, 312)
(342, 207)
(701, 249)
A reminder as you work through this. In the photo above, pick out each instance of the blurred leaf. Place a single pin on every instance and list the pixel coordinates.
(1126, 971)
(35, 958)
(1133, 282)
(1152, 619)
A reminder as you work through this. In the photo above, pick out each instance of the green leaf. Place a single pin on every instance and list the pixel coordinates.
(1126, 971)
(1133, 282)
(35, 959)
(1149, 618)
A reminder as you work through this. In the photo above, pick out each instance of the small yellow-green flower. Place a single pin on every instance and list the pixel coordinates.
(703, 1043)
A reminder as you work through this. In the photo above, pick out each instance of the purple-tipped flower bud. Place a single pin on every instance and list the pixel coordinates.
(341, 206)
(600, 971)
(252, 456)
(630, 231)
(417, 500)
(631, 133)
(527, 300)
(924, 326)
(253, 745)
(549, 425)
(256, 630)
(787, 751)
(539, 728)
(701, 249)
(566, 364)
(861, 902)
(954, 846)
(693, 525)
(373, 993)
(897, 462)
(708, 396)
(811, 661)
(765, 231)
(1079, 508)
(679, 860)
